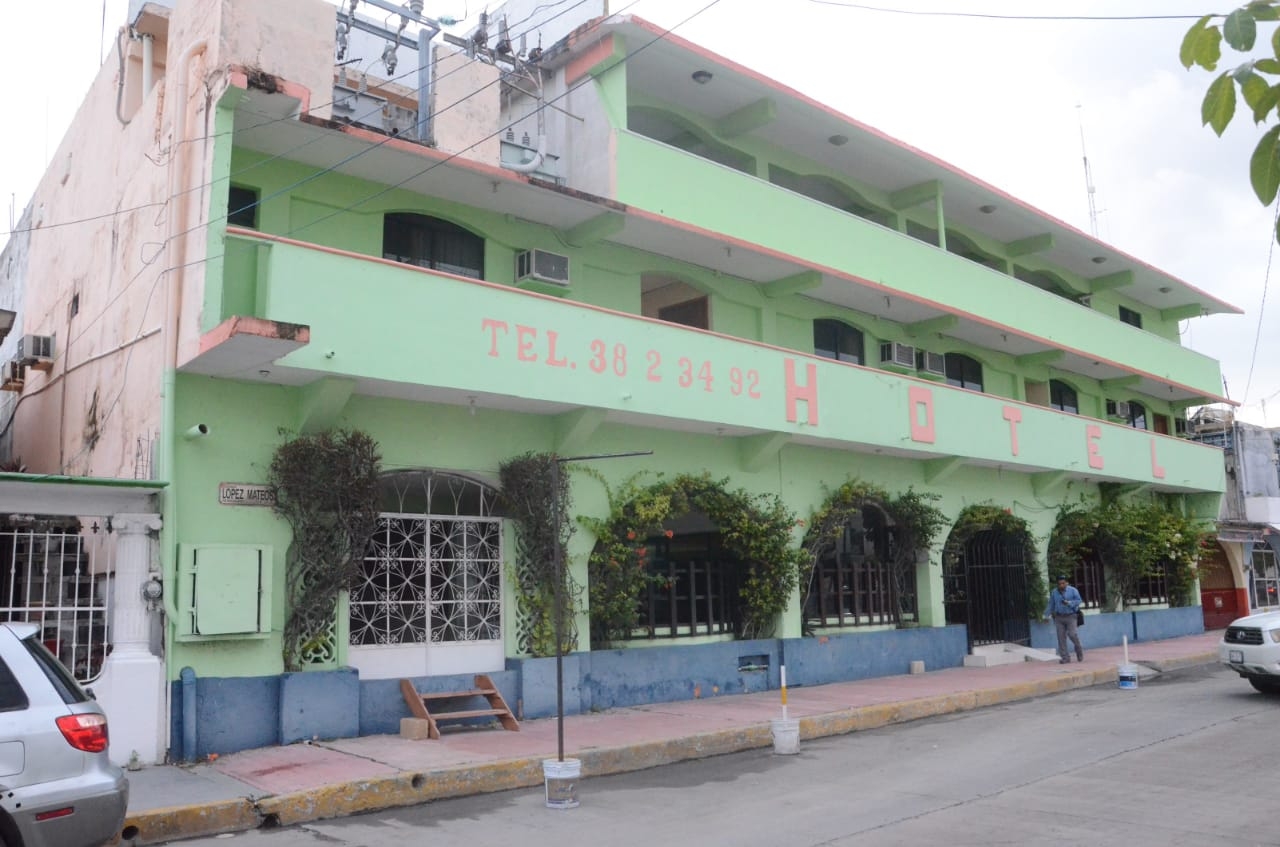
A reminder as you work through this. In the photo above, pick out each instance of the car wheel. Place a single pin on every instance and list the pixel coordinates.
(1265, 684)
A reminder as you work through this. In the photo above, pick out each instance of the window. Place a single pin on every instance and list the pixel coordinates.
(1130, 317)
(12, 697)
(432, 243)
(1063, 397)
(1137, 415)
(242, 207)
(689, 313)
(1152, 587)
(1266, 578)
(854, 584)
(432, 570)
(693, 589)
(839, 341)
(964, 372)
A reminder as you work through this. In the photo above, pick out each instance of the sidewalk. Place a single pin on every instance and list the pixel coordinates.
(279, 786)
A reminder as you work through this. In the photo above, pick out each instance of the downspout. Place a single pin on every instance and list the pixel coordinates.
(176, 250)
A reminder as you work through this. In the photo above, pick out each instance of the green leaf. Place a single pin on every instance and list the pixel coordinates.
(1264, 10)
(1267, 66)
(1219, 104)
(1275, 43)
(1240, 30)
(1264, 166)
(1187, 52)
(1266, 103)
(1208, 48)
(1253, 88)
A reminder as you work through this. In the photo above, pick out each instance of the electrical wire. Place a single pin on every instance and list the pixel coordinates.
(349, 207)
(233, 175)
(1262, 306)
(985, 16)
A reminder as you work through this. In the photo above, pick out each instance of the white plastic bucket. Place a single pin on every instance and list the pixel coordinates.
(561, 780)
(1128, 676)
(786, 736)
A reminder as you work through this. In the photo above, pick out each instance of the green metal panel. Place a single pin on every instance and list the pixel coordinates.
(228, 588)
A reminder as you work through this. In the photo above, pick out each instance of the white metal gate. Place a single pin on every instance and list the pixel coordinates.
(59, 577)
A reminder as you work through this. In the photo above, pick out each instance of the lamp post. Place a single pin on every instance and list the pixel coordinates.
(557, 562)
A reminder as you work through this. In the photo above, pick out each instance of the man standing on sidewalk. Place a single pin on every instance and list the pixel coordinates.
(1064, 603)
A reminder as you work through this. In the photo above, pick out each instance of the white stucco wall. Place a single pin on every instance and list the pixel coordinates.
(465, 107)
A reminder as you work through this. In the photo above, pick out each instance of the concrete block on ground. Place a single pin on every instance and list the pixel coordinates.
(415, 729)
(917, 667)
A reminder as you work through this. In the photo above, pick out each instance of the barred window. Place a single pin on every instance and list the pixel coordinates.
(694, 589)
(855, 583)
(1266, 578)
(432, 569)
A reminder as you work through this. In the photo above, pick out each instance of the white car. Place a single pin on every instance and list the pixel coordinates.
(1251, 648)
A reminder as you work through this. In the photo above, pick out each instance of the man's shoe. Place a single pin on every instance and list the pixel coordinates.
(1064, 661)
(1079, 657)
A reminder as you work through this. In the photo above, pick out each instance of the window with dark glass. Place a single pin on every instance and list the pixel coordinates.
(855, 583)
(1130, 317)
(692, 313)
(964, 372)
(839, 341)
(432, 243)
(242, 207)
(1063, 397)
(1137, 415)
(693, 587)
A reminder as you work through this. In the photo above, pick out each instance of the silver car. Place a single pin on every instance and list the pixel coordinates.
(57, 786)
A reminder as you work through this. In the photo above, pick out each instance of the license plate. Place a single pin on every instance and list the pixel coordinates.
(1236, 656)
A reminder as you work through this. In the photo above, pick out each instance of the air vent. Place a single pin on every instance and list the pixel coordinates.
(898, 356)
(542, 266)
(1118, 409)
(932, 365)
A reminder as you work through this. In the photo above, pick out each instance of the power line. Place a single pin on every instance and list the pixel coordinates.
(1262, 306)
(349, 207)
(994, 17)
(286, 153)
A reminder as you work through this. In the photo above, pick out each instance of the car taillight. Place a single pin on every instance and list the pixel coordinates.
(85, 732)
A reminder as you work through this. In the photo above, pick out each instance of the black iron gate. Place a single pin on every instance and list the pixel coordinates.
(986, 589)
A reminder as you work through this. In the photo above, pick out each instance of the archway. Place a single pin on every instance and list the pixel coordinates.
(985, 566)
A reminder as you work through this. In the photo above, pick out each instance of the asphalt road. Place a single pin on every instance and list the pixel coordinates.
(1185, 759)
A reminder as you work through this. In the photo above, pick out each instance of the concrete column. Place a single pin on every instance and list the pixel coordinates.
(131, 687)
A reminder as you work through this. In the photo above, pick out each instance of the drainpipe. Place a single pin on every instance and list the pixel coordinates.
(176, 256)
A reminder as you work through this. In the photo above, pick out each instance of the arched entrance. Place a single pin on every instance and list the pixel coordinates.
(985, 582)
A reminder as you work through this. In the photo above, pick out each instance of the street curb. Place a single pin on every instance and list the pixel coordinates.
(411, 789)
(1181, 662)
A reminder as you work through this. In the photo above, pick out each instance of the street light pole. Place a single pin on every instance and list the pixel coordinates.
(557, 566)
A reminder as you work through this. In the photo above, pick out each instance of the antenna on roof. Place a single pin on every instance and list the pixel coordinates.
(1088, 177)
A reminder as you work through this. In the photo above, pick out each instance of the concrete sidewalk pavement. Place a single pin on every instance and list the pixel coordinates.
(279, 786)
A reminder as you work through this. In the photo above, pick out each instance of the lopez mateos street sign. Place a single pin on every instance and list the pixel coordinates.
(245, 494)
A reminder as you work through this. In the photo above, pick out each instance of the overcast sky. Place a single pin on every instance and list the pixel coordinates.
(1001, 99)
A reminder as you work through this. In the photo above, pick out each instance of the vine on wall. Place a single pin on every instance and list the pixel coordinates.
(916, 523)
(535, 496)
(1132, 541)
(754, 528)
(327, 489)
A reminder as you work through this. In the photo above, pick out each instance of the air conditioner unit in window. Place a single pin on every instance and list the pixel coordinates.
(895, 356)
(542, 266)
(36, 351)
(1118, 409)
(931, 365)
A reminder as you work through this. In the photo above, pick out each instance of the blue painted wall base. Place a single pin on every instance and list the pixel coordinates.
(241, 713)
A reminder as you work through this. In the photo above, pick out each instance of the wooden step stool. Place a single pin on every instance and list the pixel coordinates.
(484, 687)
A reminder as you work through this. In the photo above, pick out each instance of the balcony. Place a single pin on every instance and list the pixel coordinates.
(895, 277)
(400, 331)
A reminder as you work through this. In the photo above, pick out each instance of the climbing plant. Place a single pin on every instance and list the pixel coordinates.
(1132, 540)
(327, 489)
(754, 528)
(987, 516)
(535, 496)
(915, 520)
